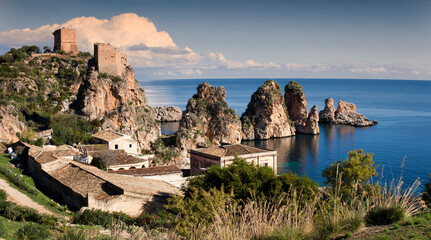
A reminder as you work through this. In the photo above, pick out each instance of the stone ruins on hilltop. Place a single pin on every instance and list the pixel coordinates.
(65, 40)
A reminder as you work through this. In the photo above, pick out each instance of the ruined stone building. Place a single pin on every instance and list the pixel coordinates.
(109, 60)
(65, 39)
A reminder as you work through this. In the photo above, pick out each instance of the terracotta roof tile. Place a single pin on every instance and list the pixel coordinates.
(151, 171)
(229, 150)
(107, 135)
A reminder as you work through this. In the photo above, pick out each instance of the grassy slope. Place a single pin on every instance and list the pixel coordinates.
(418, 227)
(40, 198)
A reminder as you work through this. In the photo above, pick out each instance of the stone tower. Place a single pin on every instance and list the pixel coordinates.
(109, 60)
(65, 39)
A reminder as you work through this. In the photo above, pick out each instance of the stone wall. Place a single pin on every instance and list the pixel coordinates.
(65, 39)
(109, 60)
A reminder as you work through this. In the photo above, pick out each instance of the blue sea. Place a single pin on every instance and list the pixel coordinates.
(401, 141)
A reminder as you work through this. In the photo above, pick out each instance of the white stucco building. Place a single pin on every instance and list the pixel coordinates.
(117, 141)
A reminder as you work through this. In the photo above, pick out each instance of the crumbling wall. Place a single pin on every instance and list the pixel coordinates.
(109, 60)
(65, 39)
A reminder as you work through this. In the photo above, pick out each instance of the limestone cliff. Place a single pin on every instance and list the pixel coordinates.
(266, 115)
(345, 114)
(119, 100)
(168, 113)
(208, 120)
(296, 103)
(10, 124)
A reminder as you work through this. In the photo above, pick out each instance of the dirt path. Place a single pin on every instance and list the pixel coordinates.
(21, 199)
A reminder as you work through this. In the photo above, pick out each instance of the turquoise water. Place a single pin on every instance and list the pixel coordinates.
(401, 142)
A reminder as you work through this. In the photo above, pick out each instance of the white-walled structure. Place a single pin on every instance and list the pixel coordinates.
(117, 141)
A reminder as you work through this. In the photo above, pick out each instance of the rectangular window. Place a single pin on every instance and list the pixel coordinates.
(116, 146)
(265, 164)
(130, 145)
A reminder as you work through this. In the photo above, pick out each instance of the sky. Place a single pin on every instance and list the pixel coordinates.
(175, 39)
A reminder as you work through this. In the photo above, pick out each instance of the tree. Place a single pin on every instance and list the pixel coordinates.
(353, 173)
(46, 49)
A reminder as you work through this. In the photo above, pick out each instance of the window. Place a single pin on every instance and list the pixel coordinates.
(116, 146)
(265, 164)
(130, 145)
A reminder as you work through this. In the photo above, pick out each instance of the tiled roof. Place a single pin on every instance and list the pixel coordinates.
(151, 171)
(83, 181)
(92, 147)
(117, 157)
(229, 150)
(44, 157)
(107, 135)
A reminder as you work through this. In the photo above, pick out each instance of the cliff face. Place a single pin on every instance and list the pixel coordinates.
(266, 116)
(168, 113)
(296, 103)
(120, 101)
(208, 120)
(345, 114)
(10, 125)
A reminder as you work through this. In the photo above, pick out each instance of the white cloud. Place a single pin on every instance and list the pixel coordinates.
(156, 51)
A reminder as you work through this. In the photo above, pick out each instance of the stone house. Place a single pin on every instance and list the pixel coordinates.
(117, 141)
(202, 158)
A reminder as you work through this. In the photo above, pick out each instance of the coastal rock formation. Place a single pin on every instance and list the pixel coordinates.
(9, 124)
(168, 113)
(117, 99)
(266, 116)
(345, 114)
(207, 120)
(296, 104)
(312, 124)
(327, 115)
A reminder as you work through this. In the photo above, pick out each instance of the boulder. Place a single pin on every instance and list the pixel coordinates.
(168, 113)
(207, 121)
(266, 116)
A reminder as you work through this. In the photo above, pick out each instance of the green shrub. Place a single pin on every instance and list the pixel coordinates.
(70, 129)
(17, 180)
(355, 173)
(33, 232)
(99, 163)
(94, 217)
(384, 215)
(3, 195)
(426, 195)
(294, 88)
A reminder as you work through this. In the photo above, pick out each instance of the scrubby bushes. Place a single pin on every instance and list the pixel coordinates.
(70, 129)
(384, 215)
(17, 180)
(14, 212)
(426, 195)
(33, 231)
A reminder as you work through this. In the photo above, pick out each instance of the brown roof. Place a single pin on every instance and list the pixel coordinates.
(107, 135)
(117, 157)
(159, 170)
(44, 157)
(92, 147)
(229, 150)
(76, 178)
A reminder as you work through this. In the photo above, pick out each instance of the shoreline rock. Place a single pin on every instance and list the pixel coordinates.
(344, 115)
(168, 113)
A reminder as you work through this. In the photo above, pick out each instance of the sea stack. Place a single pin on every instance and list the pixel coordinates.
(207, 121)
(266, 115)
(344, 115)
(296, 103)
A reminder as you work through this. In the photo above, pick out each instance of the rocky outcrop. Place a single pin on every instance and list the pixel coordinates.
(312, 124)
(296, 103)
(10, 125)
(266, 116)
(327, 115)
(168, 113)
(120, 102)
(207, 120)
(345, 114)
